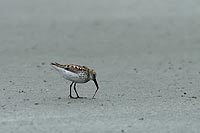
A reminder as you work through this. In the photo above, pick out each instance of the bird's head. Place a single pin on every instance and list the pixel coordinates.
(92, 75)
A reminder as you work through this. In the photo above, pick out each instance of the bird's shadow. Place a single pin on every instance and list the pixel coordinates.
(77, 100)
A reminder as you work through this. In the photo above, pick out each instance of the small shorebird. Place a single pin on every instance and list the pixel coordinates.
(76, 74)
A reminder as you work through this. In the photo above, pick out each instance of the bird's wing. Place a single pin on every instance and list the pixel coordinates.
(58, 65)
(76, 68)
(71, 67)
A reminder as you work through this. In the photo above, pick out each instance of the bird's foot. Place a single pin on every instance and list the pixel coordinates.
(82, 97)
(72, 97)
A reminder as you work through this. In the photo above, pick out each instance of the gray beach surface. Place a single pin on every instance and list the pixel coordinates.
(146, 55)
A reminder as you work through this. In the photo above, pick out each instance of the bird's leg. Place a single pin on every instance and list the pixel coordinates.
(70, 91)
(76, 90)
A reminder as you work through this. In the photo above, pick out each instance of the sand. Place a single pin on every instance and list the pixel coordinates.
(145, 53)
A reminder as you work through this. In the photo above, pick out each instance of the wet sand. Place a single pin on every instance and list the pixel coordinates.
(146, 55)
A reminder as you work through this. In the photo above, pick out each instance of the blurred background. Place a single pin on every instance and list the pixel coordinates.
(98, 28)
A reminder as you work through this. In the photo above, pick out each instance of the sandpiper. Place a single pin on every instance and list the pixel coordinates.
(76, 74)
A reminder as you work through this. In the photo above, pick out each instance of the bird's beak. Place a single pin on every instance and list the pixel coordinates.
(95, 81)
